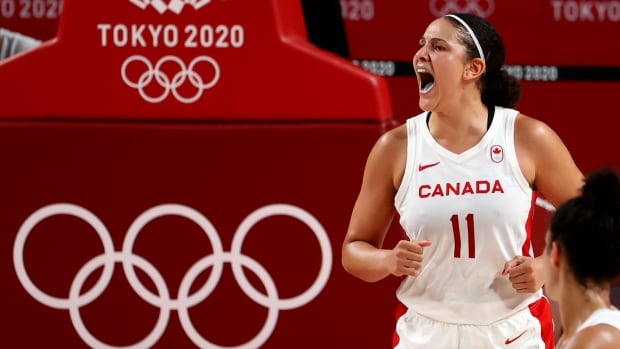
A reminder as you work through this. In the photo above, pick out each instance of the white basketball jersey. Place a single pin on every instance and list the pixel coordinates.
(476, 208)
(609, 317)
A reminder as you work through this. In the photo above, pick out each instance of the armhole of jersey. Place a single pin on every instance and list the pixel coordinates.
(511, 117)
(401, 193)
(608, 317)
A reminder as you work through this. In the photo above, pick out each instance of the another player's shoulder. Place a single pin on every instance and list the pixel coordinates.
(601, 336)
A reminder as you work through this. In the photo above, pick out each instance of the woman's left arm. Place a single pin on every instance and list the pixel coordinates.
(550, 169)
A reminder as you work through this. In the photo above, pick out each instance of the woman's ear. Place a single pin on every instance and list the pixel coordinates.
(556, 254)
(474, 69)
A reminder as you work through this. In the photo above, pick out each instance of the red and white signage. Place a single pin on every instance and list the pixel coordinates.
(179, 174)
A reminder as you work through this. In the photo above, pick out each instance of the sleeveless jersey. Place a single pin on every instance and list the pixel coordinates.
(476, 208)
(609, 317)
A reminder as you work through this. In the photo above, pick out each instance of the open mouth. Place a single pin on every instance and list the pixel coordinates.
(426, 80)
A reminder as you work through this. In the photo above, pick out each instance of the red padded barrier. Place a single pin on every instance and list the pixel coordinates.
(202, 59)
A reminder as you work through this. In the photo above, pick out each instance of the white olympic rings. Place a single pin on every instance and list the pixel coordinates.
(482, 8)
(174, 5)
(185, 300)
(155, 74)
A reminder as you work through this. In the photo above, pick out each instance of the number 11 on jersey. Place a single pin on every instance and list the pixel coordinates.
(456, 230)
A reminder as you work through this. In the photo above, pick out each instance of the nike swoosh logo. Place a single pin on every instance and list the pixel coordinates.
(509, 340)
(424, 167)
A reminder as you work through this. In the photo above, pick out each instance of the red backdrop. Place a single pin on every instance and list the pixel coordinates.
(181, 174)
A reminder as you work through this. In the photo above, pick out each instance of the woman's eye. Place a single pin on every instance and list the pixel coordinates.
(438, 48)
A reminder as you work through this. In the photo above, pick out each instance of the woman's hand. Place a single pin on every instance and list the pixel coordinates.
(407, 257)
(525, 273)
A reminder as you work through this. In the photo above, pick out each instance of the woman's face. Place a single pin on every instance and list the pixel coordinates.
(439, 63)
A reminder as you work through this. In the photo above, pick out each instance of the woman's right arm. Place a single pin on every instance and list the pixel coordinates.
(362, 252)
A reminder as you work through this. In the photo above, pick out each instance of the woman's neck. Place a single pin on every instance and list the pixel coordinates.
(577, 303)
(459, 129)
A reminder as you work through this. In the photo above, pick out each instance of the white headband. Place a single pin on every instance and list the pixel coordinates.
(471, 33)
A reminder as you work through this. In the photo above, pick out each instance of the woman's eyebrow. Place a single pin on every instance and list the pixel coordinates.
(433, 39)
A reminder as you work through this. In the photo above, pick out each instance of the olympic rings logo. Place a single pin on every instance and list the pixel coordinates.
(157, 75)
(174, 5)
(482, 8)
(162, 299)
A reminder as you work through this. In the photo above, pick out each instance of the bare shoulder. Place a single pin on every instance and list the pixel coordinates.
(388, 156)
(599, 336)
(533, 130)
(395, 137)
(536, 139)
(545, 160)
(391, 144)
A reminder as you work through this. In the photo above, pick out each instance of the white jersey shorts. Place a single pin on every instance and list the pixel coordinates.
(530, 328)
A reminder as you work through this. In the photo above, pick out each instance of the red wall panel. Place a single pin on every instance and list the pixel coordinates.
(89, 185)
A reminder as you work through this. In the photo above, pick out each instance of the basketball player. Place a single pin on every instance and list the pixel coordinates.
(462, 177)
(582, 259)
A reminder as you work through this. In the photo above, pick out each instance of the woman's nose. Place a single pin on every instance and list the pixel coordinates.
(420, 55)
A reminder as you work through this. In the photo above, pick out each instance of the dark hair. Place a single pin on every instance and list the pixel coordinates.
(498, 87)
(587, 228)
